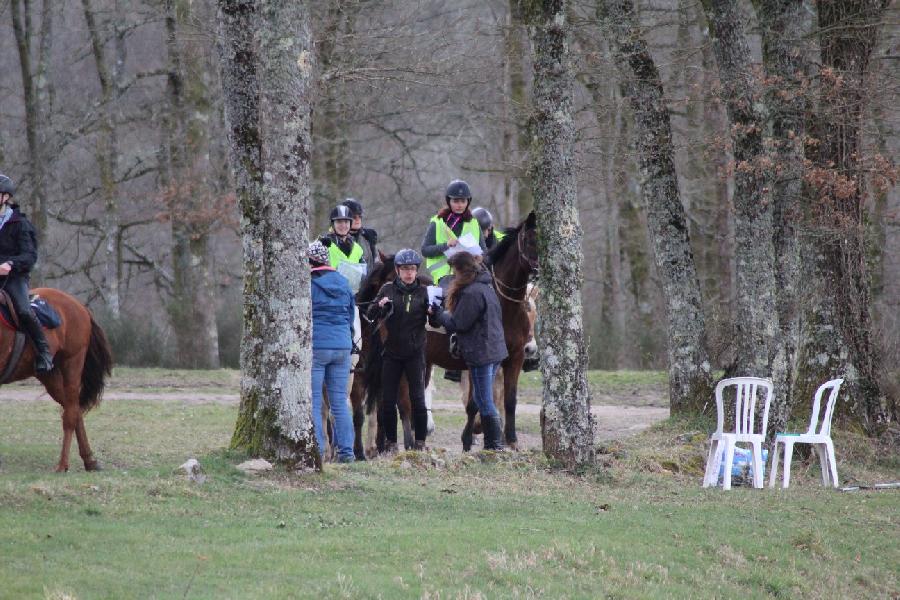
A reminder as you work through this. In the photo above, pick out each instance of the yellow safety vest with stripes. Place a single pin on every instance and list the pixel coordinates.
(437, 266)
(336, 256)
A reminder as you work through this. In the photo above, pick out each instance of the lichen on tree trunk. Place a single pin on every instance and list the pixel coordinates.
(566, 423)
(267, 73)
(690, 378)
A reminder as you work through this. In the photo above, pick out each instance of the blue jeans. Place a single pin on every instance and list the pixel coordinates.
(483, 388)
(333, 368)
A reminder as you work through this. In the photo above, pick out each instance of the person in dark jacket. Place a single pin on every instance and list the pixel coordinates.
(18, 254)
(366, 237)
(402, 305)
(475, 317)
(333, 307)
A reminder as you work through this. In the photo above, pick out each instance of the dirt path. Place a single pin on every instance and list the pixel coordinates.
(612, 421)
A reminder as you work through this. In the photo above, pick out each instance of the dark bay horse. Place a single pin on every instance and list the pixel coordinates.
(82, 362)
(511, 262)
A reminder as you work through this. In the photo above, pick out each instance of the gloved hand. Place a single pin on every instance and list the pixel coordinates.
(434, 315)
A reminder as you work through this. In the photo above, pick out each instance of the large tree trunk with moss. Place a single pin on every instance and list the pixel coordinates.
(192, 307)
(690, 379)
(848, 32)
(757, 318)
(268, 95)
(783, 27)
(566, 424)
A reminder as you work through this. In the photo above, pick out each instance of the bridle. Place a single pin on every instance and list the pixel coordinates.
(528, 263)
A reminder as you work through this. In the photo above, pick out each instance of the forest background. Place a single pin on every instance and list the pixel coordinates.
(113, 127)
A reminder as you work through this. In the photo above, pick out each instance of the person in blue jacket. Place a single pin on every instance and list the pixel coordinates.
(333, 307)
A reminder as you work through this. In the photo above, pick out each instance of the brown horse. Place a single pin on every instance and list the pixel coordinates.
(511, 262)
(82, 362)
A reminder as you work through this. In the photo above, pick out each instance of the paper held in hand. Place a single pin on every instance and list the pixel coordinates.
(467, 243)
(354, 272)
(435, 294)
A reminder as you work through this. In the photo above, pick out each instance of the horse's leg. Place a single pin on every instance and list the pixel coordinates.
(357, 401)
(56, 387)
(471, 412)
(429, 399)
(511, 369)
(405, 407)
(465, 395)
(497, 391)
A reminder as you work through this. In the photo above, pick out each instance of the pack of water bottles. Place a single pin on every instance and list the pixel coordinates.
(742, 466)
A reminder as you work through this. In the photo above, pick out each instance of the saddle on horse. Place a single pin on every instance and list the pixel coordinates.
(44, 315)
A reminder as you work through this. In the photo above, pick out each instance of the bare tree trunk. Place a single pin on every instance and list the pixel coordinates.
(783, 28)
(268, 95)
(848, 31)
(690, 377)
(566, 424)
(757, 317)
(108, 154)
(192, 307)
(37, 96)
(519, 198)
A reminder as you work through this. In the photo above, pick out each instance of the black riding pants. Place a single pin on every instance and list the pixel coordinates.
(17, 288)
(392, 369)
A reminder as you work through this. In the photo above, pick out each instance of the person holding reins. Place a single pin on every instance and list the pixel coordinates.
(402, 307)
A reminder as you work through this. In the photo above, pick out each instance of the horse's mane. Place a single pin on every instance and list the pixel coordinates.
(511, 234)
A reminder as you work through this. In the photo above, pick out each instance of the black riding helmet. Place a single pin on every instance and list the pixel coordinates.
(484, 217)
(6, 185)
(341, 213)
(355, 207)
(458, 189)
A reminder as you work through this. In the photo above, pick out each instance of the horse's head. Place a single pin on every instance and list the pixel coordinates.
(381, 273)
(516, 256)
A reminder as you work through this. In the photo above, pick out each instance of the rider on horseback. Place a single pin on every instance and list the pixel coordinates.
(446, 227)
(444, 231)
(485, 220)
(341, 245)
(367, 238)
(18, 253)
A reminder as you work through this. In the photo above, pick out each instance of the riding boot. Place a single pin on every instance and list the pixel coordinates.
(43, 362)
(493, 433)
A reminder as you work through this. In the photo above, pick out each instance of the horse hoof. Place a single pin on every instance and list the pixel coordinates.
(94, 465)
(62, 469)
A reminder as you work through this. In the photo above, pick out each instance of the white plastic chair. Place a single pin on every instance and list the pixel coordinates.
(818, 434)
(722, 444)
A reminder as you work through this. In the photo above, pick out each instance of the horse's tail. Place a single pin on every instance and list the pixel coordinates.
(97, 366)
(373, 372)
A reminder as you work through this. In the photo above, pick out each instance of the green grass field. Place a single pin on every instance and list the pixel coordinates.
(479, 526)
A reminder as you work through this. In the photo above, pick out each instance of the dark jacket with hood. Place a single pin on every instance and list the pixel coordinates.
(333, 307)
(478, 322)
(18, 243)
(408, 312)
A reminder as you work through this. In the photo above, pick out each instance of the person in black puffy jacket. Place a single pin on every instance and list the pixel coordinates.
(402, 304)
(18, 254)
(474, 315)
